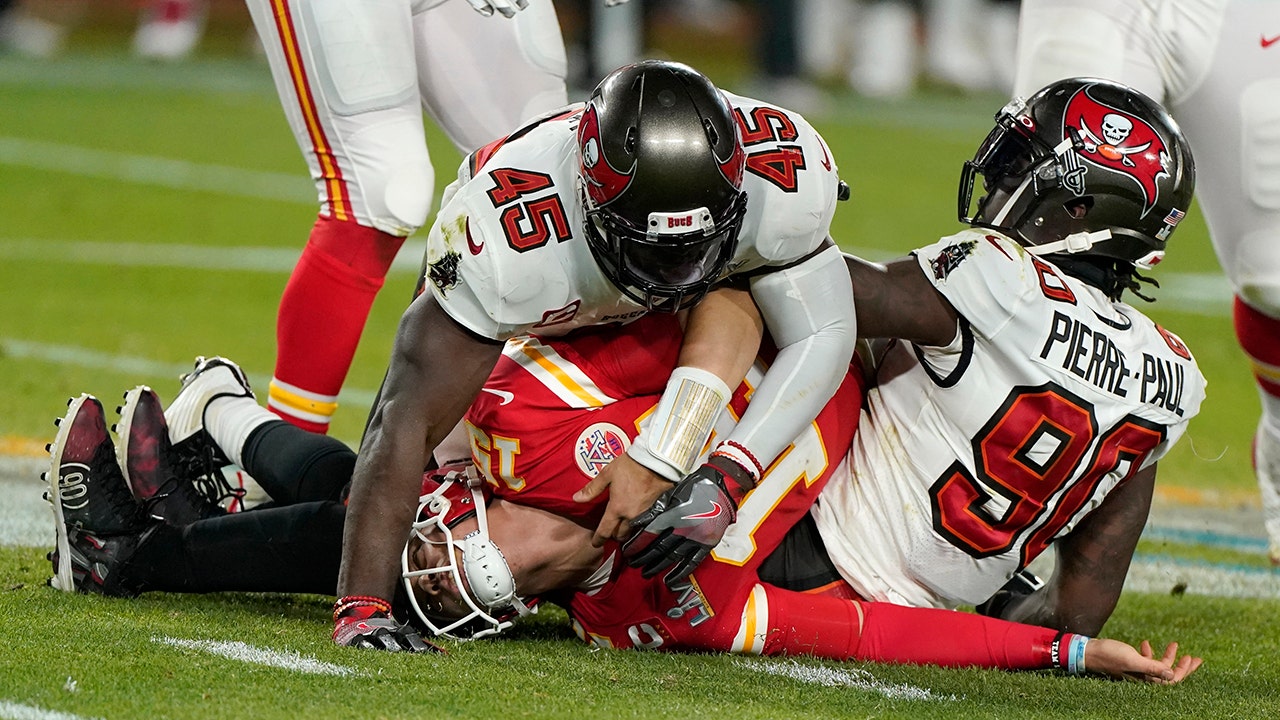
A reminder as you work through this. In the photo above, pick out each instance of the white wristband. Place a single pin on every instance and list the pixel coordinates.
(677, 431)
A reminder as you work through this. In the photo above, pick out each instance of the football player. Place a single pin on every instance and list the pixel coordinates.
(354, 79)
(660, 187)
(1108, 408)
(533, 437)
(1216, 65)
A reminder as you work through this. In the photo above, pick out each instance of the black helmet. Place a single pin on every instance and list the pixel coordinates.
(661, 177)
(1085, 167)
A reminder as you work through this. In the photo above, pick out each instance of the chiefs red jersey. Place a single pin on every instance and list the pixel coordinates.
(555, 411)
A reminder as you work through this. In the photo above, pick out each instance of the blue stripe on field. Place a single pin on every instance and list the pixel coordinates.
(1253, 570)
(1210, 538)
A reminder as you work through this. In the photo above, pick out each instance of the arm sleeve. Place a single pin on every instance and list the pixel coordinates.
(839, 629)
(808, 310)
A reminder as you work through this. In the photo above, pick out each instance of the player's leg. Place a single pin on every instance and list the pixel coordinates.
(345, 73)
(296, 548)
(482, 76)
(1230, 119)
(1097, 38)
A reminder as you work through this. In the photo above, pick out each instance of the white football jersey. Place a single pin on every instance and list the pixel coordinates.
(971, 459)
(508, 252)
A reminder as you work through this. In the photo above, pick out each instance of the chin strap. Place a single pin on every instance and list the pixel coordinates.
(1071, 244)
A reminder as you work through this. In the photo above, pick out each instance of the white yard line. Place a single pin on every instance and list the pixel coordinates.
(159, 171)
(855, 678)
(74, 356)
(18, 711)
(186, 257)
(243, 652)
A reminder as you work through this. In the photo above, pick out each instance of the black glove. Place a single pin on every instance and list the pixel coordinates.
(685, 523)
(379, 631)
(1023, 583)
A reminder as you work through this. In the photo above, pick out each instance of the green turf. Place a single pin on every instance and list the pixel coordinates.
(115, 653)
(72, 322)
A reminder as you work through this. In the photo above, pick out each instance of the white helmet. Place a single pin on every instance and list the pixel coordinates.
(479, 570)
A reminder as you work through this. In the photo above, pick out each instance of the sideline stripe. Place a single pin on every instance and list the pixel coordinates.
(166, 255)
(18, 711)
(1163, 574)
(260, 656)
(855, 678)
(152, 170)
(133, 365)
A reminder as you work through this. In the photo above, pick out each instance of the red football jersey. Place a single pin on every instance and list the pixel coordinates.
(555, 411)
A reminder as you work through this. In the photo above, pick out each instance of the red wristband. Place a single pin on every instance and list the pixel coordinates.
(363, 605)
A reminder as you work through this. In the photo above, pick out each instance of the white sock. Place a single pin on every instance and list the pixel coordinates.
(230, 420)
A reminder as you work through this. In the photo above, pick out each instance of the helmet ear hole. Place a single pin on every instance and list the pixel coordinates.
(1079, 207)
(712, 135)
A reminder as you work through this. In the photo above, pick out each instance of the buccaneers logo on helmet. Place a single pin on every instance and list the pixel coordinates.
(603, 182)
(1118, 141)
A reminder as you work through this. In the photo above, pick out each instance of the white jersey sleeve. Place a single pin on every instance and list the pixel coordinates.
(971, 459)
(507, 253)
(791, 183)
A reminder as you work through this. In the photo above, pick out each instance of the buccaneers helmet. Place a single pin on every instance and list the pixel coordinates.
(661, 165)
(1085, 166)
(472, 564)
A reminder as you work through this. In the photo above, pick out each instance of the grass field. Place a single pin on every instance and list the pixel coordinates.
(153, 213)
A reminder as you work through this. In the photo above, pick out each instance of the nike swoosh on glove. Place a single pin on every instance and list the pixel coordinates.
(683, 525)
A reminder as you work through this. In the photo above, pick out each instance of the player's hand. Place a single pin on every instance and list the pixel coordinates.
(632, 489)
(1121, 660)
(680, 529)
(507, 8)
(379, 631)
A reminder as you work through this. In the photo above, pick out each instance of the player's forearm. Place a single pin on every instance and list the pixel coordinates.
(840, 629)
(723, 335)
(897, 634)
(809, 312)
(384, 494)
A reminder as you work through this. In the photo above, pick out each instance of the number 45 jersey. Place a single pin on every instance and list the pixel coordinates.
(508, 255)
(971, 459)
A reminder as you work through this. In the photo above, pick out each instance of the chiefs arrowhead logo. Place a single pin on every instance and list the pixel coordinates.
(1119, 142)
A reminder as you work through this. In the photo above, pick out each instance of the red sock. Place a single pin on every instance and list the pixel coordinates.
(1259, 337)
(322, 314)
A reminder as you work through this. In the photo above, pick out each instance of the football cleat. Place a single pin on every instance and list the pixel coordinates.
(193, 447)
(86, 487)
(96, 563)
(152, 470)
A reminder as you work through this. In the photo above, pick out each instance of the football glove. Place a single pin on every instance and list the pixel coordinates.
(683, 525)
(507, 8)
(365, 627)
(1023, 583)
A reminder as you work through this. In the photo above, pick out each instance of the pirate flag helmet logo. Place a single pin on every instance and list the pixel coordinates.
(1118, 141)
(1083, 167)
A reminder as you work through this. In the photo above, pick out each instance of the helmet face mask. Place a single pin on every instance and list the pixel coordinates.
(661, 267)
(1084, 167)
(660, 176)
(469, 566)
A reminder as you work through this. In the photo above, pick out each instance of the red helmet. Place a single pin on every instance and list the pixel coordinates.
(473, 564)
